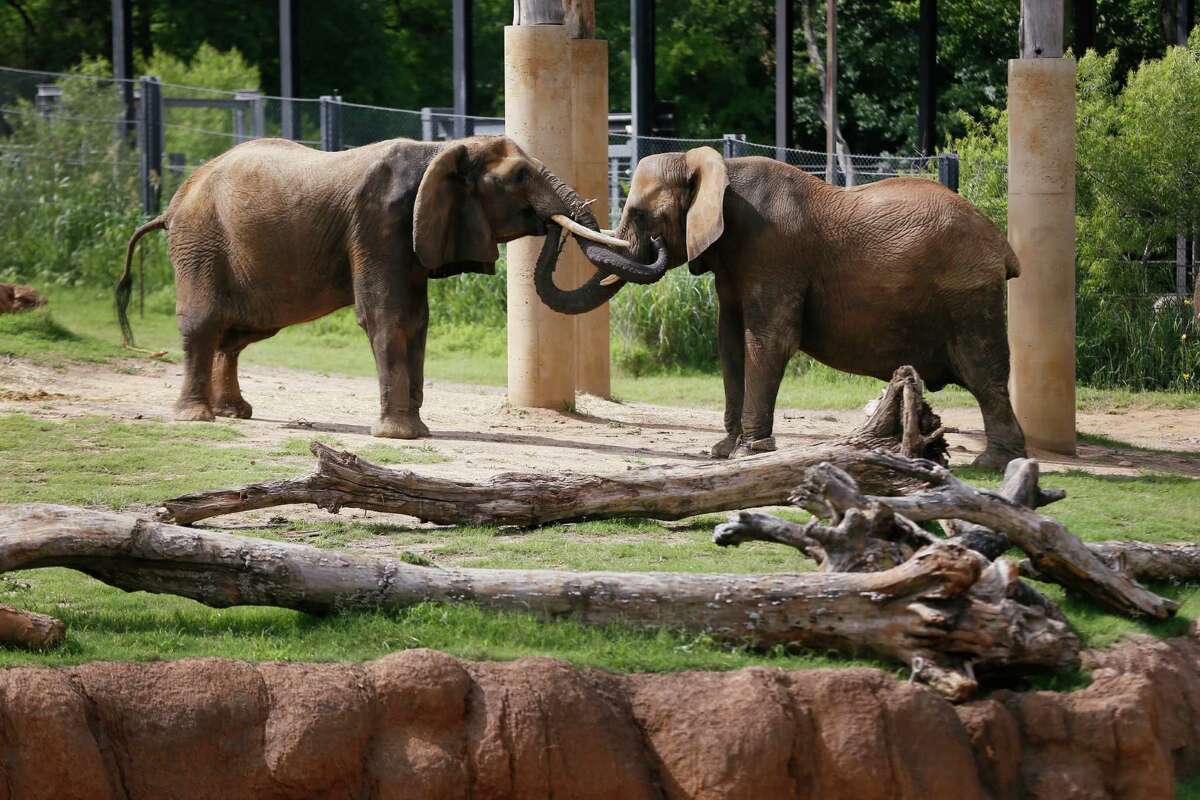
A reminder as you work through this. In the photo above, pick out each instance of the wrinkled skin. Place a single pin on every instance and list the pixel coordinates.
(273, 233)
(868, 279)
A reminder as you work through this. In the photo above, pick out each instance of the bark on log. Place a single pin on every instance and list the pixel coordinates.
(31, 631)
(1053, 551)
(1142, 561)
(1021, 486)
(672, 492)
(942, 611)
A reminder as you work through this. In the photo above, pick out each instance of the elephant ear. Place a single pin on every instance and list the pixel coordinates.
(449, 226)
(706, 212)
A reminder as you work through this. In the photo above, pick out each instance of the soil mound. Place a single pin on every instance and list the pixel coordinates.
(424, 724)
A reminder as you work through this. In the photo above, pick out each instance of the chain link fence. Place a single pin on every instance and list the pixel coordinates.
(165, 131)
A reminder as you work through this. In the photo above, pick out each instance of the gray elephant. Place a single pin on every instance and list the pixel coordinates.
(867, 279)
(273, 233)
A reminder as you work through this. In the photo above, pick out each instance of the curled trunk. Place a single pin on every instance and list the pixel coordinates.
(607, 261)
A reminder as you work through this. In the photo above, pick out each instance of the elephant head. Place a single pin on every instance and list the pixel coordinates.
(479, 192)
(673, 214)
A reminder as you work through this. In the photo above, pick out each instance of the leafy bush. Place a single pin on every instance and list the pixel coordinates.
(1138, 152)
(69, 188)
(201, 133)
(668, 325)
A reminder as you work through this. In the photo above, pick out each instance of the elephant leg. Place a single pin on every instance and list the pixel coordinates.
(766, 359)
(980, 359)
(731, 350)
(227, 392)
(199, 337)
(398, 342)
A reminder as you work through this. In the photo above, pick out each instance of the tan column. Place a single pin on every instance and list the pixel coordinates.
(1041, 229)
(589, 108)
(537, 116)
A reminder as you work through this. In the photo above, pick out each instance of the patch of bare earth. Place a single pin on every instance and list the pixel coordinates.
(480, 435)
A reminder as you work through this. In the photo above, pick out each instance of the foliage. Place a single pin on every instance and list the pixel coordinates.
(1138, 159)
(201, 133)
(715, 58)
(69, 188)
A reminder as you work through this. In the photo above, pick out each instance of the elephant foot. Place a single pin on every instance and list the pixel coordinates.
(193, 412)
(725, 447)
(747, 447)
(996, 458)
(237, 408)
(408, 426)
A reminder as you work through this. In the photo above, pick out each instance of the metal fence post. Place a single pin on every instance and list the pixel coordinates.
(331, 122)
(48, 95)
(256, 105)
(732, 144)
(948, 170)
(614, 190)
(150, 141)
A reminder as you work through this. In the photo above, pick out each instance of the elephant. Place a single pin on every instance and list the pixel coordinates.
(863, 279)
(272, 233)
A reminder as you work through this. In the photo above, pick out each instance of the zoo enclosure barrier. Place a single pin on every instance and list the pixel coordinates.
(168, 130)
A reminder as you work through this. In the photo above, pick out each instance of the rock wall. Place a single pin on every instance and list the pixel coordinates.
(421, 724)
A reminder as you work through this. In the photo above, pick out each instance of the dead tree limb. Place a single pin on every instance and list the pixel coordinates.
(31, 631)
(1053, 551)
(1143, 561)
(943, 610)
(865, 534)
(1020, 486)
(672, 492)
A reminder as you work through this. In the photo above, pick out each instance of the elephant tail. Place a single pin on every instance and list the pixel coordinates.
(1012, 267)
(125, 284)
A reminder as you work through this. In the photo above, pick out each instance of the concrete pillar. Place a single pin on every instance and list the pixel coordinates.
(537, 116)
(1041, 229)
(589, 108)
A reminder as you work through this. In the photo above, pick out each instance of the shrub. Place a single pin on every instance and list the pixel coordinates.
(1138, 150)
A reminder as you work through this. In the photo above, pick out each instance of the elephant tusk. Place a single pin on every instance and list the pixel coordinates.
(587, 233)
(609, 280)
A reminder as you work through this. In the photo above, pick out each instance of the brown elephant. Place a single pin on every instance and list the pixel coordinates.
(273, 233)
(867, 279)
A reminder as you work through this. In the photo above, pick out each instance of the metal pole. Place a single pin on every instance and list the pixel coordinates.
(464, 69)
(150, 161)
(1084, 26)
(784, 27)
(830, 90)
(331, 123)
(289, 118)
(1185, 18)
(641, 73)
(122, 61)
(927, 78)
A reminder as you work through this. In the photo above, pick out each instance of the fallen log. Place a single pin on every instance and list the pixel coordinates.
(29, 630)
(1142, 561)
(942, 612)
(1053, 551)
(902, 420)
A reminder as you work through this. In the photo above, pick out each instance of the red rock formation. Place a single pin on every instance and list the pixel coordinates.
(421, 724)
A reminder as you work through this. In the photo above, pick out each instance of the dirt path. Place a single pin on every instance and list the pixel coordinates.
(480, 435)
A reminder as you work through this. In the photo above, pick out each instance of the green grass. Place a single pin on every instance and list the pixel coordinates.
(104, 463)
(1188, 790)
(81, 326)
(379, 453)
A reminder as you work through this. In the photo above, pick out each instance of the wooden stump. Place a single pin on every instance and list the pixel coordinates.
(29, 630)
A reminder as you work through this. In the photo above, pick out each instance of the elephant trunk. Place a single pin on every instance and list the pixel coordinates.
(594, 292)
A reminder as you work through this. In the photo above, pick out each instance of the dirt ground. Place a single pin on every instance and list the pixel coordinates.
(480, 435)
